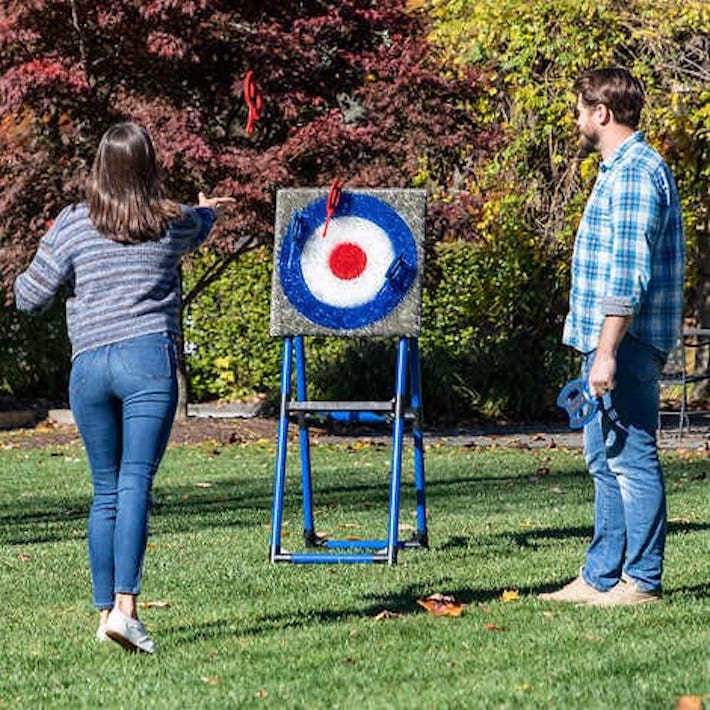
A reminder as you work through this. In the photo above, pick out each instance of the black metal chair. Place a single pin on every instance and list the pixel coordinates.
(676, 374)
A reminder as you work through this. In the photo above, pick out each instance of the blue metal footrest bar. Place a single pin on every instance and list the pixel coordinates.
(314, 558)
(329, 406)
(394, 411)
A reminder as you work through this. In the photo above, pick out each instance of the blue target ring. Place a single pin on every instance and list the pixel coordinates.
(392, 280)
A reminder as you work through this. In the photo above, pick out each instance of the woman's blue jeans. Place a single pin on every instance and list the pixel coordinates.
(123, 397)
(622, 457)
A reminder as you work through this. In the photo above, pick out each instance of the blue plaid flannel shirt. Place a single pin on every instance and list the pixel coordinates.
(629, 254)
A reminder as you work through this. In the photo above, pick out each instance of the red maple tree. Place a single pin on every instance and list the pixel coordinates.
(350, 90)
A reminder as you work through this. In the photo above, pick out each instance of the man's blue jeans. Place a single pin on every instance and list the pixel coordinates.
(622, 456)
(123, 397)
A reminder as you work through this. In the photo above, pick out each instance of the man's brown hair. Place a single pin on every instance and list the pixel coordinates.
(617, 89)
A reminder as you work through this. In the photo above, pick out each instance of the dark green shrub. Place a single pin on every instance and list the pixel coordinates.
(34, 355)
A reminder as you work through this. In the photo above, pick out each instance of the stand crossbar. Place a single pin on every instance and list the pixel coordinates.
(394, 411)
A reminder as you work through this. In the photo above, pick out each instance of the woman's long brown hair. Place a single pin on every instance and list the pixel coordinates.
(124, 191)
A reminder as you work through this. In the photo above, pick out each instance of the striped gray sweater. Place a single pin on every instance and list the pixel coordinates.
(114, 291)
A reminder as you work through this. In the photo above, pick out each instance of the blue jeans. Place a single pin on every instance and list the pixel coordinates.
(622, 457)
(123, 397)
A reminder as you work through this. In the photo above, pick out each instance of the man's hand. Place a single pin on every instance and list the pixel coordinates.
(602, 374)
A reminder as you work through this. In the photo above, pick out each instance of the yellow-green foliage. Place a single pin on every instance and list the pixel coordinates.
(226, 329)
(534, 49)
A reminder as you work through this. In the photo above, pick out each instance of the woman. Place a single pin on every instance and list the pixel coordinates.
(117, 256)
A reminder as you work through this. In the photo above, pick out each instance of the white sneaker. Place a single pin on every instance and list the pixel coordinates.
(128, 632)
(101, 636)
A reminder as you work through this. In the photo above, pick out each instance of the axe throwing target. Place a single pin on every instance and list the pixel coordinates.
(362, 277)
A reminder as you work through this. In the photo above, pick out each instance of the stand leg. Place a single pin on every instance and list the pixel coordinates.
(397, 444)
(309, 534)
(422, 537)
(281, 441)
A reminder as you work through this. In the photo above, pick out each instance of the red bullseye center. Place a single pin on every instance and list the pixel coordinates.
(347, 261)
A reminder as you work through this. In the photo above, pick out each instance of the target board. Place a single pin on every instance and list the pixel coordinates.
(360, 274)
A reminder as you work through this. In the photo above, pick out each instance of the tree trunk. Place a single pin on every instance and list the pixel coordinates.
(181, 411)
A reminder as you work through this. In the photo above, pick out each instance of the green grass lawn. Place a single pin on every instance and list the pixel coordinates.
(235, 631)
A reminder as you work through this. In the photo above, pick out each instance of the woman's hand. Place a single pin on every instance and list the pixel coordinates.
(215, 203)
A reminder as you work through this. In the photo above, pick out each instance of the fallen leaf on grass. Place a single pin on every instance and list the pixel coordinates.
(386, 614)
(261, 693)
(442, 605)
(685, 454)
(161, 604)
(366, 444)
(689, 702)
(210, 680)
(510, 595)
(493, 627)
(23, 557)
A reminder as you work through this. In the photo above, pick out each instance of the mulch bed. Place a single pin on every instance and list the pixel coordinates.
(193, 430)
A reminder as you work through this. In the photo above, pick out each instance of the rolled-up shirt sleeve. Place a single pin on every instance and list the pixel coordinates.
(636, 208)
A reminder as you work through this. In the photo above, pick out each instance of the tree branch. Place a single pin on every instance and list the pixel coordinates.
(241, 246)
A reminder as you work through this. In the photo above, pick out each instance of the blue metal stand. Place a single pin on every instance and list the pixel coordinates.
(384, 551)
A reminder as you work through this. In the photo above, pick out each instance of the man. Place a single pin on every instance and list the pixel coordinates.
(626, 304)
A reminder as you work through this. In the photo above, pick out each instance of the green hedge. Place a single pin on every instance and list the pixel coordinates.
(490, 344)
(34, 355)
(491, 312)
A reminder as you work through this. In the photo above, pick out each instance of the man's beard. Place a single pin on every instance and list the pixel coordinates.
(588, 144)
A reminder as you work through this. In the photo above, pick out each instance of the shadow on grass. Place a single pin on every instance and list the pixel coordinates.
(186, 508)
(527, 538)
(403, 602)
(233, 502)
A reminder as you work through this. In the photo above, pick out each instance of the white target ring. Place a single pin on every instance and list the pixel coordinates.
(347, 267)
